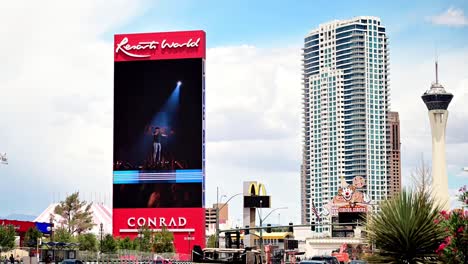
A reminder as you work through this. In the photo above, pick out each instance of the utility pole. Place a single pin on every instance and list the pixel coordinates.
(217, 217)
(217, 213)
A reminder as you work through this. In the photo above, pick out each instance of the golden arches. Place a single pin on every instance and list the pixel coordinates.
(256, 188)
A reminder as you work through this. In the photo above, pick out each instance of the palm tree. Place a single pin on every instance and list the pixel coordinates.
(405, 230)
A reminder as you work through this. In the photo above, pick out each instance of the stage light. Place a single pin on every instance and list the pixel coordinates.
(179, 83)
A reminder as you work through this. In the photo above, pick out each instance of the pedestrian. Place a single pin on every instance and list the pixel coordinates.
(48, 259)
(12, 259)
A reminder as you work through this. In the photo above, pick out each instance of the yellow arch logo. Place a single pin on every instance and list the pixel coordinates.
(256, 188)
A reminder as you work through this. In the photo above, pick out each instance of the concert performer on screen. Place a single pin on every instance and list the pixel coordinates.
(154, 200)
(157, 138)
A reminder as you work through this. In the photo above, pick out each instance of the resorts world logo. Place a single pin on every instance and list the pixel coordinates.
(129, 49)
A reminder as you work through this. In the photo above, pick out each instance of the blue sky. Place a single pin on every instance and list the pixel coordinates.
(278, 23)
(56, 115)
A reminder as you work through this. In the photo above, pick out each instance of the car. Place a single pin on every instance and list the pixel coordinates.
(327, 259)
(312, 262)
(161, 260)
(358, 262)
(72, 261)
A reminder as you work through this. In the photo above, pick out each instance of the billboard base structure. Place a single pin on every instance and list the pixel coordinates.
(184, 224)
(159, 137)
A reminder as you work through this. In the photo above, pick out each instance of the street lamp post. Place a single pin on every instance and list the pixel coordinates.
(101, 231)
(262, 250)
(189, 240)
(261, 229)
(217, 213)
(51, 222)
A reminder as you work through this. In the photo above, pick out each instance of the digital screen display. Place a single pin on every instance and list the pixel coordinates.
(158, 115)
(158, 134)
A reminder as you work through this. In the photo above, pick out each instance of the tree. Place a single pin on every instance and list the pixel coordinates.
(87, 242)
(421, 177)
(144, 239)
(126, 243)
(454, 248)
(32, 236)
(62, 234)
(109, 245)
(76, 214)
(163, 241)
(211, 241)
(406, 230)
(7, 237)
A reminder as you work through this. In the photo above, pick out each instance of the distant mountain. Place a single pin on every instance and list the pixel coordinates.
(19, 217)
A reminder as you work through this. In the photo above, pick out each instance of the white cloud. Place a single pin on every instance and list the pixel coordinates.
(451, 17)
(56, 98)
(254, 124)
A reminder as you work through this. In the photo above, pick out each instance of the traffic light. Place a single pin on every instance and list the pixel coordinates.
(290, 228)
(268, 230)
(312, 226)
(237, 239)
(228, 239)
(246, 230)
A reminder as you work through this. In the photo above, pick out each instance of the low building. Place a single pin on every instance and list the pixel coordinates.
(314, 244)
(210, 214)
(21, 227)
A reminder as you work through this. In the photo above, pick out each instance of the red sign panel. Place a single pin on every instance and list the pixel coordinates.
(20, 226)
(354, 209)
(187, 224)
(159, 46)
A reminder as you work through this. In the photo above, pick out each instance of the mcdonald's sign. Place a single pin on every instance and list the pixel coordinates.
(256, 188)
(257, 197)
